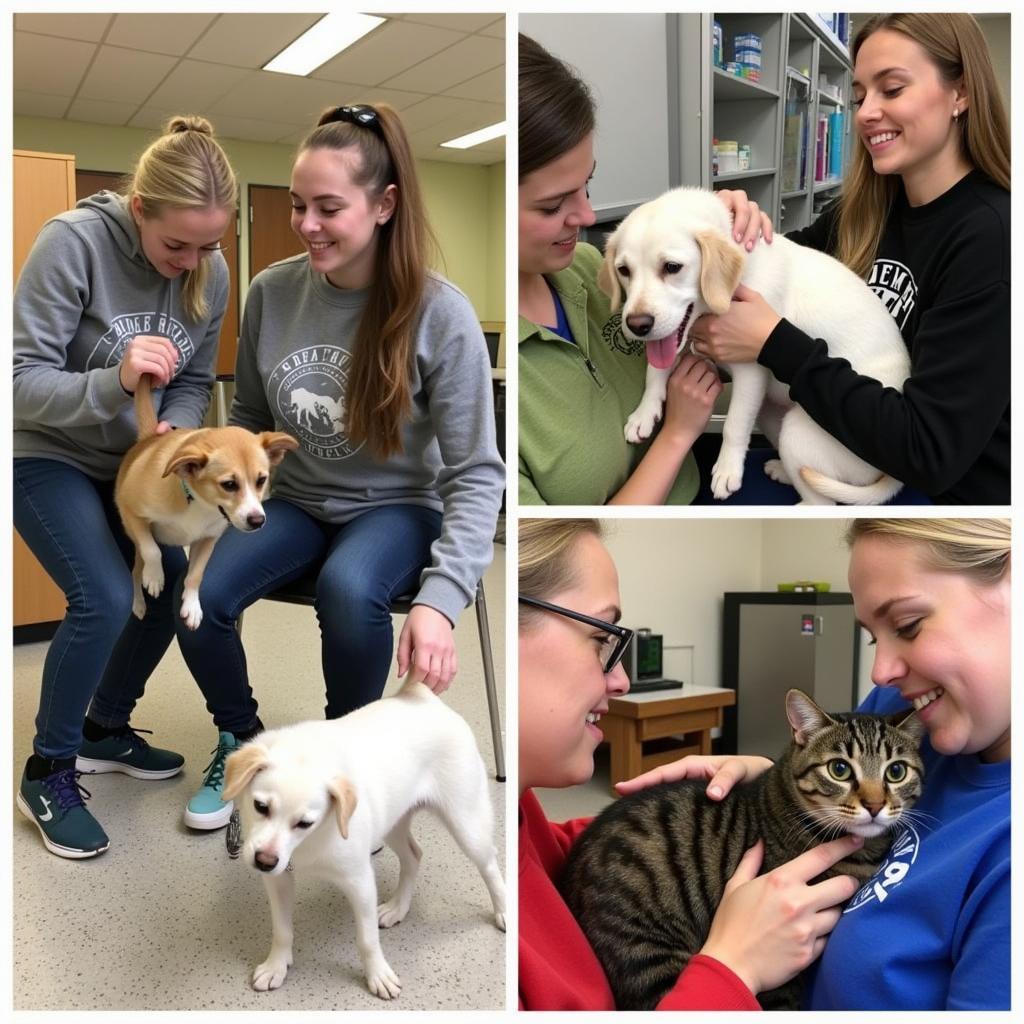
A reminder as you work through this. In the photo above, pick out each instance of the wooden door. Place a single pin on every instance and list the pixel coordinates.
(270, 233)
(44, 185)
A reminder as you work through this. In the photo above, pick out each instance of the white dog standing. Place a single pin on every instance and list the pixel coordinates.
(321, 796)
(674, 259)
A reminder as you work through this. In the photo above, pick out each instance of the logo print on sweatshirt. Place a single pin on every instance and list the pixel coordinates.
(109, 350)
(308, 390)
(894, 284)
(617, 341)
(902, 855)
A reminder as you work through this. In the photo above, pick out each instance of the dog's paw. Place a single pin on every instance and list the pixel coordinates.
(138, 603)
(499, 920)
(641, 424)
(191, 610)
(269, 975)
(153, 579)
(382, 981)
(391, 913)
(775, 470)
(726, 477)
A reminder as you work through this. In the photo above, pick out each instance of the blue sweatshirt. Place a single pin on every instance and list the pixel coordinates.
(931, 930)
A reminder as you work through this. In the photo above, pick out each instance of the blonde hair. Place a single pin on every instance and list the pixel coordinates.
(956, 46)
(185, 169)
(379, 397)
(979, 548)
(545, 557)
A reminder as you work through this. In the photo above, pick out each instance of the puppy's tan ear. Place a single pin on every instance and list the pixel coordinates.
(187, 460)
(241, 766)
(344, 794)
(607, 279)
(721, 264)
(277, 445)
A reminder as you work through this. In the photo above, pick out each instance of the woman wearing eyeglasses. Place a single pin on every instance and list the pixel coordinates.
(766, 929)
(124, 284)
(380, 369)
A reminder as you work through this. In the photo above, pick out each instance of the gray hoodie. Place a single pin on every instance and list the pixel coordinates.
(291, 375)
(85, 291)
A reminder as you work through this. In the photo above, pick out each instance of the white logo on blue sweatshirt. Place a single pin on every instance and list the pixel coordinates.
(894, 284)
(308, 389)
(109, 350)
(902, 855)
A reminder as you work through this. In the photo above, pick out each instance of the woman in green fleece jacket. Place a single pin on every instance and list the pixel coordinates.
(579, 376)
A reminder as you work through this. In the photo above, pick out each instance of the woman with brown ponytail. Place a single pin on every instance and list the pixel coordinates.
(124, 284)
(379, 367)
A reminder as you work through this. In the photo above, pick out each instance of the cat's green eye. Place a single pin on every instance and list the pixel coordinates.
(840, 770)
(896, 772)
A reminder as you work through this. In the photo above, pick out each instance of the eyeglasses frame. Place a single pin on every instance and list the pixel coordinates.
(622, 634)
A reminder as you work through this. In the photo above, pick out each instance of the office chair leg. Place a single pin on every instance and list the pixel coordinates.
(492, 693)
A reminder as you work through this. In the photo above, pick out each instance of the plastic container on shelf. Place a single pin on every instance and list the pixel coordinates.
(728, 156)
(743, 156)
(717, 46)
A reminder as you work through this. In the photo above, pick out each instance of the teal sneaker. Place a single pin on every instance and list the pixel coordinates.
(206, 810)
(54, 805)
(127, 752)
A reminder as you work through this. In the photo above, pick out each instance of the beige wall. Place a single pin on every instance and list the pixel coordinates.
(465, 206)
(672, 574)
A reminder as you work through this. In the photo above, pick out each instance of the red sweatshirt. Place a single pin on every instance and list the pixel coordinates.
(557, 968)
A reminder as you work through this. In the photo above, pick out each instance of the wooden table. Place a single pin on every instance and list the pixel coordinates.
(672, 723)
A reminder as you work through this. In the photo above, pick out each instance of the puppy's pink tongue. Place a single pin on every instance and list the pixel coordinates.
(661, 352)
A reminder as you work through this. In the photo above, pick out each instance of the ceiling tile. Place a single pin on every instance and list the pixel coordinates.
(401, 101)
(50, 66)
(495, 29)
(386, 52)
(251, 129)
(158, 33)
(196, 85)
(284, 98)
(431, 111)
(101, 111)
(34, 104)
(488, 86)
(88, 27)
(119, 75)
(467, 59)
(458, 22)
(250, 40)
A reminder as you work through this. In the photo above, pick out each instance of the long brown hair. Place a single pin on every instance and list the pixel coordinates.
(957, 48)
(556, 109)
(185, 169)
(379, 396)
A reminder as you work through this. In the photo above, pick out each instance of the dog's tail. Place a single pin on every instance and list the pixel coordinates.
(145, 408)
(884, 488)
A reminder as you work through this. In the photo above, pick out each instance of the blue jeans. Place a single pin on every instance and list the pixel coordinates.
(360, 567)
(100, 652)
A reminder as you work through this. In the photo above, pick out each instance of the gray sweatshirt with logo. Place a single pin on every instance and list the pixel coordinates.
(291, 375)
(84, 292)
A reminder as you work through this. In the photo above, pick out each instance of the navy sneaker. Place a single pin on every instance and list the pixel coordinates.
(54, 805)
(127, 752)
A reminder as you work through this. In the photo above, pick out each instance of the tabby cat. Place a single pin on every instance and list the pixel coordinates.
(645, 878)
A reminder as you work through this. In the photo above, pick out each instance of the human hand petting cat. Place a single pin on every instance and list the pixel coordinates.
(769, 928)
(723, 770)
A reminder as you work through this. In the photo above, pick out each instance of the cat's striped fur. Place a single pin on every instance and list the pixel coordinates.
(645, 878)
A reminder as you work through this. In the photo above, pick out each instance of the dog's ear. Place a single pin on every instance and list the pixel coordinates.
(344, 794)
(607, 279)
(187, 460)
(721, 264)
(241, 766)
(277, 445)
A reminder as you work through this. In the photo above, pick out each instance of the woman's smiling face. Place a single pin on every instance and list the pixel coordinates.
(942, 639)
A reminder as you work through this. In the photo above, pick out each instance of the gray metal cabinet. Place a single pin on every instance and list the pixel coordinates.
(774, 641)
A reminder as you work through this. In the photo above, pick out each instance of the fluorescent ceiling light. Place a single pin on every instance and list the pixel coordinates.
(317, 45)
(492, 131)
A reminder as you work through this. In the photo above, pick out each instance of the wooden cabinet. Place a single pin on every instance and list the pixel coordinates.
(44, 185)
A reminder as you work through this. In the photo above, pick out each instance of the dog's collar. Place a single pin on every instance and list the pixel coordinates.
(189, 496)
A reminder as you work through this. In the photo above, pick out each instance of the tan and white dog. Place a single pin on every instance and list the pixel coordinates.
(186, 487)
(321, 796)
(673, 259)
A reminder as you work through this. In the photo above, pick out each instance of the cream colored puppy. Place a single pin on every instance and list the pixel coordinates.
(186, 487)
(673, 259)
(321, 796)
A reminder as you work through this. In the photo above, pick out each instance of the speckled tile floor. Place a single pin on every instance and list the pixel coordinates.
(164, 920)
